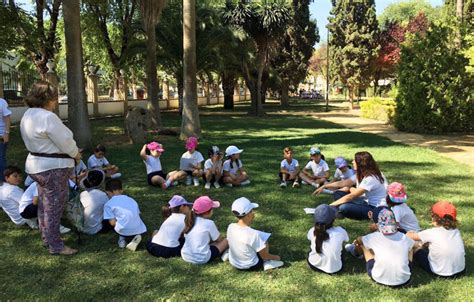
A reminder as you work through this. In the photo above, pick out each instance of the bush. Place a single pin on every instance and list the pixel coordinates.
(378, 109)
(435, 92)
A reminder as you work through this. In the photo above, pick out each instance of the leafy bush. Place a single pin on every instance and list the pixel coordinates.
(435, 92)
(378, 109)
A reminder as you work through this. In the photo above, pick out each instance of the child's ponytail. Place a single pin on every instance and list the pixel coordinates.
(189, 221)
(321, 234)
(166, 211)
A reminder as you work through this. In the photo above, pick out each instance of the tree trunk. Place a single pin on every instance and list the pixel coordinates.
(460, 9)
(77, 110)
(351, 96)
(151, 80)
(190, 125)
(228, 83)
(285, 87)
(180, 86)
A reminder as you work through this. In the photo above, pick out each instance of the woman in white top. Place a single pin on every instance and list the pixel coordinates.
(53, 152)
(370, 191)
(168, 241)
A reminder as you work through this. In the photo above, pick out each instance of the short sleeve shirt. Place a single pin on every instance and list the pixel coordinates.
(232, 167)
(290, 167)
(318, 169)
(4, 112)
(329, 260)
(170, 231)
(196, 248)
(188, 159)
(375, 191)
(343, 175)
(125, 210)
(152, 164)
(94, 162)
(244, 244)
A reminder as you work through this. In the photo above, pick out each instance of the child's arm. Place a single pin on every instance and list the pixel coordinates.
(335, 185)
(352, 195)
(219, 239)
(265, 254)
(35, 200)
(143, 153)
(283, 170)
(112, 222)
(413, 236)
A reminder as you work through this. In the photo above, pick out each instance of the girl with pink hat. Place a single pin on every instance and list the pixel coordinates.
(190, 163)
(154, 170)
(397, 202)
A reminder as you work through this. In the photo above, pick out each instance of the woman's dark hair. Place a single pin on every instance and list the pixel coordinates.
(447, 222)
(321, 234)
(366, 166)
(113, 185)
(166, 211)
(9, 170)
(40, 94)
(190, 220)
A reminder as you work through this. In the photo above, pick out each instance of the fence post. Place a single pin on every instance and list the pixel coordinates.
(52, 79)
(124, 91)
(1, 80)
(166, 92)
(93, 90)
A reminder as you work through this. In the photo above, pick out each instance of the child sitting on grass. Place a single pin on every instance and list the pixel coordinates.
(289, 169)
(234, 173)
(98, 161)
(168, 241)
(343, 172)
(213, 168)
(316, 171)
(441, 249)
(248, 248)
(326, 241)
(202, 240)
(93, 200)
(123, 214)
(155, 174)
(79, 171)
(404, 215)
(190, 163)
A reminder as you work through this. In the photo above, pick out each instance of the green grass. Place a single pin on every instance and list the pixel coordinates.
(102, 271)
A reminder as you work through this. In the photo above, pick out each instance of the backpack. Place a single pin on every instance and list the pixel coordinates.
(74, 211)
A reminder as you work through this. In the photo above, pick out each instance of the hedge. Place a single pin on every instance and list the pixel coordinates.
(378, 109)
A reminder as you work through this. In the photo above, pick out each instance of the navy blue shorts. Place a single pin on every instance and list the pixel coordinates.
(214, 253)
(156, 173)
(164, 251)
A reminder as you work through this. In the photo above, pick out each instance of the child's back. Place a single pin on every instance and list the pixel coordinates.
(93, 202)
(196, 247)
(244, 244)
(405, 217)
(125, 210)
(329, 260)
(170, 231)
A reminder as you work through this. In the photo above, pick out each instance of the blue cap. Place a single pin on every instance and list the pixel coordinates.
(314, 151)
(325, 214)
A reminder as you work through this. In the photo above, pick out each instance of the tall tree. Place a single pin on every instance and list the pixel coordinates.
(190, 124)
(78, 116)
(151, 11)
(403, 11)
(354, 28)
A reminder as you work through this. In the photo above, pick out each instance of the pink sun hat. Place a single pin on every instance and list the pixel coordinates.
(154, 146)
(396, 192)
(191, 143)
(204, 204)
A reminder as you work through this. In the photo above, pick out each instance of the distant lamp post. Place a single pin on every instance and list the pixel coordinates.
(327, 68)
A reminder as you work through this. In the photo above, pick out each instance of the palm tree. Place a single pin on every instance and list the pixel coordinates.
(77, 110)
(190, 125)
(151, 10)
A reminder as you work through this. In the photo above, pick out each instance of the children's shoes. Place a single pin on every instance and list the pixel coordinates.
(272, 264)
(134, 243)
(207, 186)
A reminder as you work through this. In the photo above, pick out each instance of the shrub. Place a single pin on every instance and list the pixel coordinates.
(378, 109)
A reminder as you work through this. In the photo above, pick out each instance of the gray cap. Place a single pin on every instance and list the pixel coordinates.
(324, 214)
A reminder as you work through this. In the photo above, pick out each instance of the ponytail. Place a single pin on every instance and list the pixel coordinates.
(189, 222)
(321, 234)
(232, 162)
(166, 211)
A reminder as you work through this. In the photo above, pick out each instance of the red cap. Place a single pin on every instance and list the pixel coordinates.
(442, 208)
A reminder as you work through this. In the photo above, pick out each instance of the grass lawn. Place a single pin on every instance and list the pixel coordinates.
(102, 271)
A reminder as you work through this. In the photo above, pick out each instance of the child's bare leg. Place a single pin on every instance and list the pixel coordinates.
(197, 173)
(179, 175)
(320, 181)
(307, 179)
(157, 180)
(208, 175)
(284, 176)
(221, 245)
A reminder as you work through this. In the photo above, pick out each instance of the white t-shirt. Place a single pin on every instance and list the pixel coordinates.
(342, 176)
(190, 159)
(291, 167)
(78, 169)
(318, 169)
(375, 192)
(244, 244)
(170, 231)
(10, 197)
(125, 210)
(94, 162)
(235, 166)
(152, 164)
(93, 202)
(405, 217)
(4, 112)
(447, 256)
(44, 132)
(27, 198)
(391, 257)
(329, 260)
(196, 247)
(208, 164)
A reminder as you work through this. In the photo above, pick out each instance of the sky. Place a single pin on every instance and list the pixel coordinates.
(320, 11)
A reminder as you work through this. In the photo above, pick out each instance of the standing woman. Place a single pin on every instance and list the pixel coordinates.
(50, 162)
(370, 188)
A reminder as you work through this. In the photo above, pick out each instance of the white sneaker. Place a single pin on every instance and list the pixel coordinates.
(283, 184)
(245, 183)
(63, 229)
(327, 191)
(229, 185)
(350, 248)
(196, 181)
(122, 243)
(304, 182)
(32, 223)
(207, 186)
(189, 180)
(134, 243)
(225, 255)
(315, 185)
(116, 175)
(296, 184)
(271, 264)
(217, 185)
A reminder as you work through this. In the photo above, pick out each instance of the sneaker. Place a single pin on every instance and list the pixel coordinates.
(116, 175)
(350, 248)
(304, 182)
(271, 264)
(164, 186)
(217, 185)
(63, 229)
(225, 255)
(327, 191)
(296, 184)
(245, 183)
(134, 243)
(122, 243)
(283, 184)
(207, 186)
(189, 180)
(32, 223)
(196, 181)
(229, 185)
(315, 185)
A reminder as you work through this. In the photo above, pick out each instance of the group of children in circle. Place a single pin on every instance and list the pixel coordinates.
(188, 231)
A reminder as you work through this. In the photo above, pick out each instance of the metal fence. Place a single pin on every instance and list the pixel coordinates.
(16, 84)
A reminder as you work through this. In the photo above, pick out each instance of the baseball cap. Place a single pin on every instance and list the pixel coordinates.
(94, 179)
(314, 151)
(231, 150)
(396, 192)
(243, 206)
(386, 222)
(191, 143)
(443, 208)
(204, 204)
(178, 200)
(154, 146)
(340, 162)
(324, 214)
